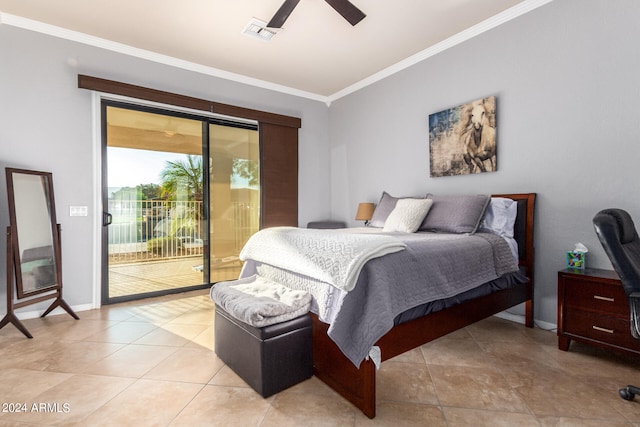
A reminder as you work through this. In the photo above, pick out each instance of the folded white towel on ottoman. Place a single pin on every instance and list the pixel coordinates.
(260, 302)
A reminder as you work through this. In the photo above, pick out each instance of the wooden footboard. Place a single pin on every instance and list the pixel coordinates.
(358, 385)
(331, 366)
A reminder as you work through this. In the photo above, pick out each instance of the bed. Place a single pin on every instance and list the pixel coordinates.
(345, 352)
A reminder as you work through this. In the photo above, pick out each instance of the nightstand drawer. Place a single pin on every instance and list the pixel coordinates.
(593, 308)
(593, 296)
(604, 329)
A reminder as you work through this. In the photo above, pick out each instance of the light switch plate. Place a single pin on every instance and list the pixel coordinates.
(78, 210)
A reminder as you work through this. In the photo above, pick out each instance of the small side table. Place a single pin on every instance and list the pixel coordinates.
(593, 308)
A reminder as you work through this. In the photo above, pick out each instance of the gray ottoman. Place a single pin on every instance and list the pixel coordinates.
(269, 359)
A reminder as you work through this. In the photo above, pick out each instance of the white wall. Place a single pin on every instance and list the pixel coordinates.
(566, 79)
(46, 124)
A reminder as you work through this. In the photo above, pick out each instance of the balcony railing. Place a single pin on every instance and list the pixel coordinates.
(146, 230)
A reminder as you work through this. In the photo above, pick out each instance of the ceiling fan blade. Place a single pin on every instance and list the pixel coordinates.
(347, 10)
(283, 13)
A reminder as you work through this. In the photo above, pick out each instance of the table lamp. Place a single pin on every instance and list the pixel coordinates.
(365, 212)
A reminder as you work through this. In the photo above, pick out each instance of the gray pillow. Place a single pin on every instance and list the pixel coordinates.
(384, 207)
(455, 213)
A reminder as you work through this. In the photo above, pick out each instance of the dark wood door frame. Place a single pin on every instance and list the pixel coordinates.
(278, 143)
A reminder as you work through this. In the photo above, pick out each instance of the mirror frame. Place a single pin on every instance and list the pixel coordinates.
(47, 185)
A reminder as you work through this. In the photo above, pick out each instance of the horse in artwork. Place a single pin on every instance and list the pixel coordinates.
(479, 139)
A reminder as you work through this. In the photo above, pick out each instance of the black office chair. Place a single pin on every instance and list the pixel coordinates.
(620, 241)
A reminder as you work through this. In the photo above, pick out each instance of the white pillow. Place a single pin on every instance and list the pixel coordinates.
(407, 215)
(500, 217)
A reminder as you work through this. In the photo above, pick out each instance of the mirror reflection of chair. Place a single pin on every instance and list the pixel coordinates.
(619, 238)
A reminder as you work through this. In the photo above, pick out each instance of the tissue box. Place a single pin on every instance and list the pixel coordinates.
(576, 259)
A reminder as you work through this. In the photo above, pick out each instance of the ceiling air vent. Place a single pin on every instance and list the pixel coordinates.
(258, 29)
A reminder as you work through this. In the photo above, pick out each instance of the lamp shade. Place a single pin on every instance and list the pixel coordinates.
(365, 211)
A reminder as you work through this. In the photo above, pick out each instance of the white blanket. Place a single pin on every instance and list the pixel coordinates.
(334, 258)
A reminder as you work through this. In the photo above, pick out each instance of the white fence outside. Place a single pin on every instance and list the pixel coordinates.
(144, 230)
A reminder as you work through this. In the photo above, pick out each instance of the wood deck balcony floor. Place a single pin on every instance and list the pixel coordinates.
(150, 276)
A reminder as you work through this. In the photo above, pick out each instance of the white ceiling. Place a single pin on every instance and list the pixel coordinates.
(317, 54)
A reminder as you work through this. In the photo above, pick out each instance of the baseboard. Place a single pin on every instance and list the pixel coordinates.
(23, 315)
(520, 319)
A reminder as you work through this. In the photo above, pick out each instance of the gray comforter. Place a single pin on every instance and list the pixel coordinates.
(432, 267)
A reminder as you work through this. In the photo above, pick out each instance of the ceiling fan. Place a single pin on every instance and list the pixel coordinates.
(343, 7)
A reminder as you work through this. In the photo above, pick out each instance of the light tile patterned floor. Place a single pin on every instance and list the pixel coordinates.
(152, 363)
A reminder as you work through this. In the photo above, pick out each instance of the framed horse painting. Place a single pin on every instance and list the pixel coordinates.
(462, 139)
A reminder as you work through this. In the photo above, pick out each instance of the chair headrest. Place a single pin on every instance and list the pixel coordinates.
(620, 241)
(623, 223)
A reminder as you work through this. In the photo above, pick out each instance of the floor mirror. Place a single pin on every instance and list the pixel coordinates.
(34, 263)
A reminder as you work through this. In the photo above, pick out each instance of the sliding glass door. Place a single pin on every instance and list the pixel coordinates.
(234, 196)
(157, 199)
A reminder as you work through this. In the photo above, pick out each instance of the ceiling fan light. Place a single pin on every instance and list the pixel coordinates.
(258, 29)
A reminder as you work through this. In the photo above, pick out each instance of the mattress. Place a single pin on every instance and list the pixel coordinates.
(435, 271)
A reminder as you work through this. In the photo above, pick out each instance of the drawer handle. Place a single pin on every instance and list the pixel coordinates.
(603, 298)
(597, 328)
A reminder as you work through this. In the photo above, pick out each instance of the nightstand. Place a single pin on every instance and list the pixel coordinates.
(327, 224)
(593, 308)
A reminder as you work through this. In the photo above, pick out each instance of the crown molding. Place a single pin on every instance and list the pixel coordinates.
(469, 33)
(486, 25)
(75, 36)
